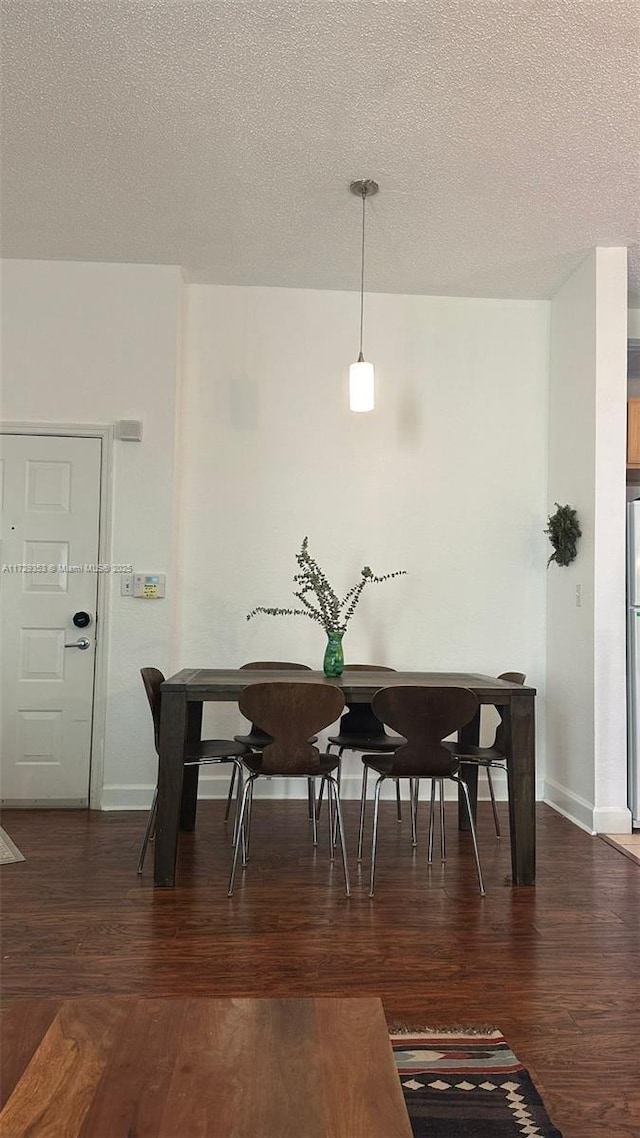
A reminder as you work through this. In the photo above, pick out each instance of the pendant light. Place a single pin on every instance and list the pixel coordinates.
(361, 390)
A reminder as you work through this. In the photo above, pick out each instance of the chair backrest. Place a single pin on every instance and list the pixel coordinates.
(513, 677)
(291, 713)
(500, 741)
(270, 666)
(152, 678)
(425, 716)
(359, 718)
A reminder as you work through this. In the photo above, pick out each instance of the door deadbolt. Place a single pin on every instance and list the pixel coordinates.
(81, 619)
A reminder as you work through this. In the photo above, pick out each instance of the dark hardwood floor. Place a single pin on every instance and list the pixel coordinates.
(555, 967)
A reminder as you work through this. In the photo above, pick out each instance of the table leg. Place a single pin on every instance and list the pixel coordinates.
(189, 802)
(173, 729)
(521, 776)
(470, 733)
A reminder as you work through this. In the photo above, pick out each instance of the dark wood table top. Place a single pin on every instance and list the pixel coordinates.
(117, 1066)
(226, 683)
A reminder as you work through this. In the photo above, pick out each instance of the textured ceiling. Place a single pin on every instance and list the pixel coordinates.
(221, 135)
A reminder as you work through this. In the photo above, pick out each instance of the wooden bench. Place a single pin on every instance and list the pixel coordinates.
(113, 1066)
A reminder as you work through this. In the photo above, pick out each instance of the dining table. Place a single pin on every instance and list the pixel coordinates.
(184, 694)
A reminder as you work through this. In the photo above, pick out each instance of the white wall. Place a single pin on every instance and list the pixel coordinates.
(446, 479)
(94, 343)
(586, 734)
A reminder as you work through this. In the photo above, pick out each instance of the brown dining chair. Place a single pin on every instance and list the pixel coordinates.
(494, 756)
(257, 739)
(424, 716)
(361, 731)
(203, 753)
(290, 713)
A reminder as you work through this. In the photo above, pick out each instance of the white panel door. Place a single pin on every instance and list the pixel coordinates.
(50, 507)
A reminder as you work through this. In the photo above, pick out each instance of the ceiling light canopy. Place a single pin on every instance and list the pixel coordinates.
(361, 375)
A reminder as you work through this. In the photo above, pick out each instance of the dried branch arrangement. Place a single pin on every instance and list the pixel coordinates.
(319, 600)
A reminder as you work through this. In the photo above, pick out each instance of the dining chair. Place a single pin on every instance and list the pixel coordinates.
(361, 731)
(257, 739)
(203, 753)
(424, 716)
(290, 713)
(494, 756)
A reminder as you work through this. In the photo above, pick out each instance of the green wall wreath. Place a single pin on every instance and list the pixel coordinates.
(564, 531)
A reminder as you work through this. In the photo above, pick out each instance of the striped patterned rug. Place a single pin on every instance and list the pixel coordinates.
(8, 851)
(459, 1085)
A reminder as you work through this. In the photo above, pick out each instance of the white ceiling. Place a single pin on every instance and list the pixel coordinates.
(221, 135)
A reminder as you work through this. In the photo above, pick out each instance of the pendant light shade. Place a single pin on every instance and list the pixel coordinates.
(361, 386)
(361, 374)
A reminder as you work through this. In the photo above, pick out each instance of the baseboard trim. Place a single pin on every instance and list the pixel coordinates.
(570, 805)
(595, 820)
(215, 786)
(126, 797)
(613, 821)
(44, 803)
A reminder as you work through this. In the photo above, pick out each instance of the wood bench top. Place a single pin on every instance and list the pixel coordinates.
(114, 1066)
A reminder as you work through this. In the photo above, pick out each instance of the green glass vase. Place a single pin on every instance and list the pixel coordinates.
(333, 663)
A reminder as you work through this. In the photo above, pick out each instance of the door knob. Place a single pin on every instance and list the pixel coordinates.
(82, 643)
(81, 619)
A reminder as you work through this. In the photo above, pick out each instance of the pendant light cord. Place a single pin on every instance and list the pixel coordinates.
(364, 198)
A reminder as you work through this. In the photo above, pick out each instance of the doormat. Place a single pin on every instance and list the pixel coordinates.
(8, 852)
(468, 1085)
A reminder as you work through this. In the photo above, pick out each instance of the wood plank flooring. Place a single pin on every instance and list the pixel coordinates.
(555, 967)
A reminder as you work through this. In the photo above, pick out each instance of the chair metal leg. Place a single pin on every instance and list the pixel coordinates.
(432, 803)
(237, 771)
(322, 781)
(413, 806)
(374, 842)
(246, 794)
(465, 791)
(247, 824)
(311, 782)
(151, 822)
(496, 820)
(333, 789)
(230, 794)
(398, 801)
(443, 828)
(236, 820)
(320, 797)
(363, 800)
(330, 813)
(338, 779)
